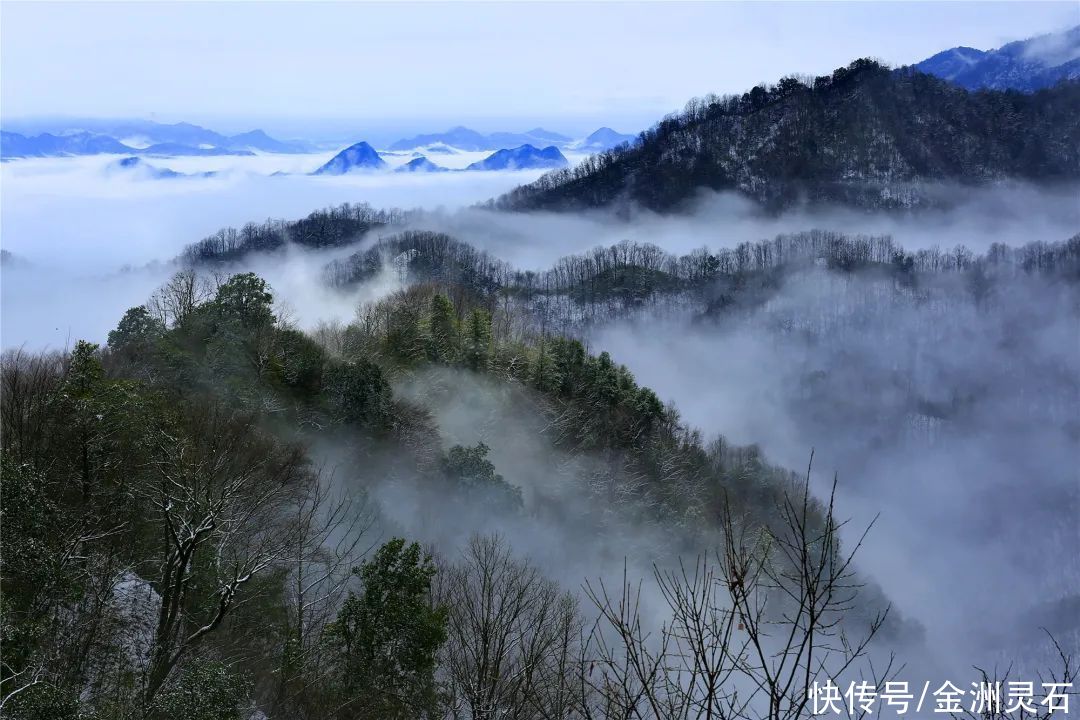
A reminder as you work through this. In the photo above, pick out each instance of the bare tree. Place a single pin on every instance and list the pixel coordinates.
(175, 300)
(1049, 697)
(511, 649)
(326, 546)
(747, 633)
(27, 384)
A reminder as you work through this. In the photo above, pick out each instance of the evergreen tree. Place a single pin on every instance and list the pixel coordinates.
(137, 331)
(205, 691)
(387, 638)
(472, 472)
(245, 299)
(405, 340)
(358, 393)
(445, 342)
(478, 340)
(544, 375)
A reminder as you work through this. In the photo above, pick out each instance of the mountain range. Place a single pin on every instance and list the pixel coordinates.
(146, 132)
(463, 138)
(362, 157)
(1025, 65)
(14, 145)
(95, 137)
(864, 136)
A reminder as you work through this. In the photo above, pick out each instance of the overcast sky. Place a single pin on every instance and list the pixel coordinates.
(431, 63)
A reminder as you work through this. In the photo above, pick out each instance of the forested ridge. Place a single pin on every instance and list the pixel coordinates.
(174, 549)
(626, 275)
(171, 550)
(327, 228)
(865, 136)
(608, 282)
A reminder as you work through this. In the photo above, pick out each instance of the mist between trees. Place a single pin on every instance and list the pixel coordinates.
(458, 505)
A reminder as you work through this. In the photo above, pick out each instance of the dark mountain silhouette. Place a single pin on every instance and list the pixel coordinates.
(865, 136)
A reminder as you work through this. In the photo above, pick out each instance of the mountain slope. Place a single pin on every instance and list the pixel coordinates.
(525, 157)
(865, 136)
(259, 140)
(1025, 65)
(420, 165)
(182, 133)
(604, 139)
(950, 64)
(360, 156)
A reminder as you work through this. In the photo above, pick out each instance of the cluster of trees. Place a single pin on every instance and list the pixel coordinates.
(614, 280)
(594, 402)
(606, 281)
(866, 135)
(420, 256)
(331, 227)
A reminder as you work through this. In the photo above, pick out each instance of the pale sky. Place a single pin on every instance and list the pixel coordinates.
(433, 63)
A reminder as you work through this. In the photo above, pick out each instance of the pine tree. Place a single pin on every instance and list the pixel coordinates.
(445, 341)
(478, 340)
